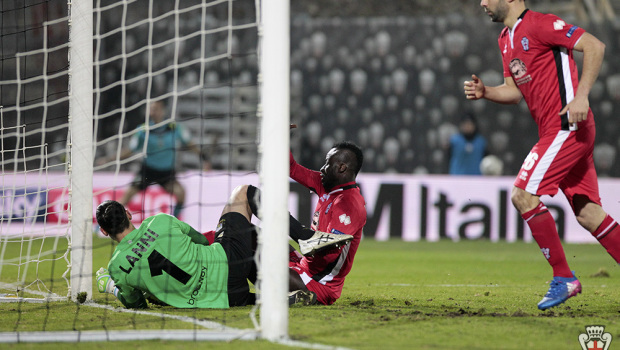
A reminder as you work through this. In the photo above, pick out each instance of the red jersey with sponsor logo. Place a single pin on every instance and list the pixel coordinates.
(341, 211)
(537, 54)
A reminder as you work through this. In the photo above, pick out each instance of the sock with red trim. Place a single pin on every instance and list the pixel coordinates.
(608, 235)
(545, 233)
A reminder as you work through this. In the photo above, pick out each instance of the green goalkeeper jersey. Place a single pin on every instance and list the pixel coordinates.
(166, 258)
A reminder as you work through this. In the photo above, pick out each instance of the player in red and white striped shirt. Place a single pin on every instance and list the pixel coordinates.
(539, 67)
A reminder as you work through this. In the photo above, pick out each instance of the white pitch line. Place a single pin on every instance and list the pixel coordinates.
(439, 285)
(464, 285)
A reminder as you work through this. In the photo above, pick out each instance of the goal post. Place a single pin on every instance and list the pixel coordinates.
(275, 133)
(81, 127)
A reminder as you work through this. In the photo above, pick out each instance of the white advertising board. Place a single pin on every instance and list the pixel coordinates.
(409, 207)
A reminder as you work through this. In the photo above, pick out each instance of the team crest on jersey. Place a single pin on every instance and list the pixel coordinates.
(558, 24)
(525, 43)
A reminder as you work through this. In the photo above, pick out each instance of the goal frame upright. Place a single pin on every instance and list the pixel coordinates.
(274, 113)
(81, 145)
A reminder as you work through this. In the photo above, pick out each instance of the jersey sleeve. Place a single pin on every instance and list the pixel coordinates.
(182, 134)
(137, 140)
(131, 298)
(309, 178)
(501, 48)
(552, 31)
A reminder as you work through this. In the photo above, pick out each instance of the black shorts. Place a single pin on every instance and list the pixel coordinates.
(238, 238)
(149, 176)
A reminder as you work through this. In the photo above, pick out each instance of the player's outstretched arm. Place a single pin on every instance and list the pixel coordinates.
(132, 300)
(507, 93)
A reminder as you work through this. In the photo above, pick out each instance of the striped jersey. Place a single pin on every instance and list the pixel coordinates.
(537, 53)
(340, 211)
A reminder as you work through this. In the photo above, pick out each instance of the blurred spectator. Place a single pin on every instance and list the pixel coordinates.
(467, 148)
(604, 156)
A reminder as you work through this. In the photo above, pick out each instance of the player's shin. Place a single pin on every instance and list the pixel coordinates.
(545, 233)
(608, 235)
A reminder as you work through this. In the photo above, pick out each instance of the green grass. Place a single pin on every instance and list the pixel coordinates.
(400, 295)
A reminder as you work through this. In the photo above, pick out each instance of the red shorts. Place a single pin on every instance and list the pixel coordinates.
(563, 160)
(324, 294)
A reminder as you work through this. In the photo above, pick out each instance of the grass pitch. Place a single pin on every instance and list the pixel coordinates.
(399, 295)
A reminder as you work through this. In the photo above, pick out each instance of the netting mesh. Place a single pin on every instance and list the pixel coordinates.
(197, 57)
(34, 203)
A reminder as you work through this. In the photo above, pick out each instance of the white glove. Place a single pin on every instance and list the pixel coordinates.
(105, 284)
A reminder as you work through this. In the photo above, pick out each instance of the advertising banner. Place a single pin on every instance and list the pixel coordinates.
(407, 207)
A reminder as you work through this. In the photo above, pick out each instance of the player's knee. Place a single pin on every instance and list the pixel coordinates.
(590, 216)
(523, 201)
(240, 193)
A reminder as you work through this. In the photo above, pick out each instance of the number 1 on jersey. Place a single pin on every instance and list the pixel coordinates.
(159, 263)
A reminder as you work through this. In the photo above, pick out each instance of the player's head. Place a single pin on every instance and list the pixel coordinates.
(112, 218)
(342, 164)
(468, 125)
(157, 110)
(496, 9)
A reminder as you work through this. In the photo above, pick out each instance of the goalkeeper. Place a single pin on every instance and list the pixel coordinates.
(166, 261)
(158, 164)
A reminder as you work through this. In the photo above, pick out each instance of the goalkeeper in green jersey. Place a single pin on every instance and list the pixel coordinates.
(168, 262)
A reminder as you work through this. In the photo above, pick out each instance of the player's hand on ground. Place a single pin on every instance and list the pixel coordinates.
(577, 110)
(474, 88)
(105, 284)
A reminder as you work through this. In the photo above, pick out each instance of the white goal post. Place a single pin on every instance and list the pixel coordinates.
(81, 145)
(274, 73)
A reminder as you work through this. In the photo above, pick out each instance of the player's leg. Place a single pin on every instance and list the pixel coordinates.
(138, 184)
(128, 194)
(238, 202)
(310, 241)
(581, 189)
(298, 292)
(297, 231)
(544, 231)
(237, 236)
(175, 188)
(549, 162)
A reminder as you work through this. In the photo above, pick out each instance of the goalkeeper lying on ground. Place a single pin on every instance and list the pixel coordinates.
(168, 262)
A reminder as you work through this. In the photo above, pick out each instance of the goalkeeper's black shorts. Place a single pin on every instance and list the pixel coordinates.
(238, 238)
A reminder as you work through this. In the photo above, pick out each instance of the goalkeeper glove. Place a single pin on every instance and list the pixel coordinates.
(105, 284)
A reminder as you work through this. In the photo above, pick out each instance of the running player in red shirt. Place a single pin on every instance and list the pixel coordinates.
(539, 66)
(341, 209)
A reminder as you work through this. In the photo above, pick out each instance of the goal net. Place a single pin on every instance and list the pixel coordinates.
(84, 88)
